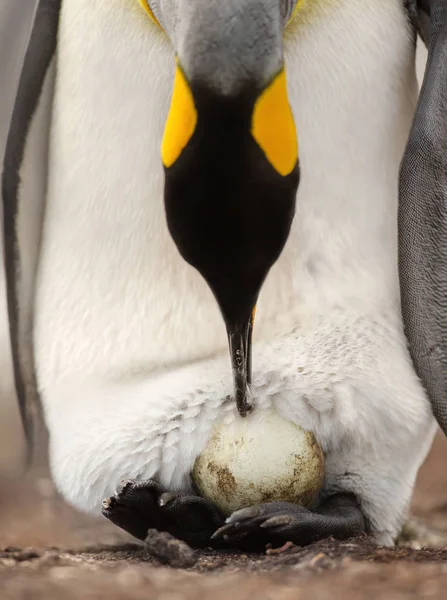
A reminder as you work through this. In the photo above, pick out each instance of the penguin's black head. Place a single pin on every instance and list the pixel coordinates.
(231, 159)
(229, 211)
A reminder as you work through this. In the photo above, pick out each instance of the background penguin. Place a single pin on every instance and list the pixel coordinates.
(126, 338)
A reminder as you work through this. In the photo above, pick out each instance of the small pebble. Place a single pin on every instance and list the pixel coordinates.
(169, 550)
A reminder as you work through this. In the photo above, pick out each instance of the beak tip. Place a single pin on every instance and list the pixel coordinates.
(244, 407)
(239, 338)
(244, 412)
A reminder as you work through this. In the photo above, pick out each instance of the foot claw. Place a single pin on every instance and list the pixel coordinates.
(221, 532)
(278, 521)
(124, 484)
(244, 514)
(108, 503)
(166, 498)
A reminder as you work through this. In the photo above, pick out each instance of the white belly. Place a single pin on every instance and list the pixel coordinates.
(114, 297)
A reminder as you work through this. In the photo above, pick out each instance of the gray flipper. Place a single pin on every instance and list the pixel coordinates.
(423, 214)
(16, 17)
(23, 191)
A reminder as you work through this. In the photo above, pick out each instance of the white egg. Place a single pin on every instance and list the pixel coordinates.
(259, 458)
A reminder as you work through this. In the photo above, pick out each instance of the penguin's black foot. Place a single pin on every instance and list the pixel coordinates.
(280, 522)
(143, 505)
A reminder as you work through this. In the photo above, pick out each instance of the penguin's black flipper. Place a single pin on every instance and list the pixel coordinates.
(423, 214)
(24, 176)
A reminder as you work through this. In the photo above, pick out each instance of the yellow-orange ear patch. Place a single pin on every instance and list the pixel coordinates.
(181, 122)
(298, 5)
(273, 126)
(146, 7)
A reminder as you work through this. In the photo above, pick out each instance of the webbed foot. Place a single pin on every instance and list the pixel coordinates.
(280, 522)
(143, 505)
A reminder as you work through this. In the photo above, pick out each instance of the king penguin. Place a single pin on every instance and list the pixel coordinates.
(153, 199)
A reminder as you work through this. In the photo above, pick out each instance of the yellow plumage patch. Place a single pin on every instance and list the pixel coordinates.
(181, 122)
(145, 5)
(273, 126)
(298, 5)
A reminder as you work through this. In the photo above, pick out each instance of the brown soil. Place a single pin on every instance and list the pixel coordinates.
(48, 551)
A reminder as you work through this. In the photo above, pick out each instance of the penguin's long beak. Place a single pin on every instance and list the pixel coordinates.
(239, 341)
(230, 155)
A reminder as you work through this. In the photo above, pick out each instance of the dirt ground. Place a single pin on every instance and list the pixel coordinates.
(49, 551)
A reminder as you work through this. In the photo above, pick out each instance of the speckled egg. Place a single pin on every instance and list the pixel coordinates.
(260, 458)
